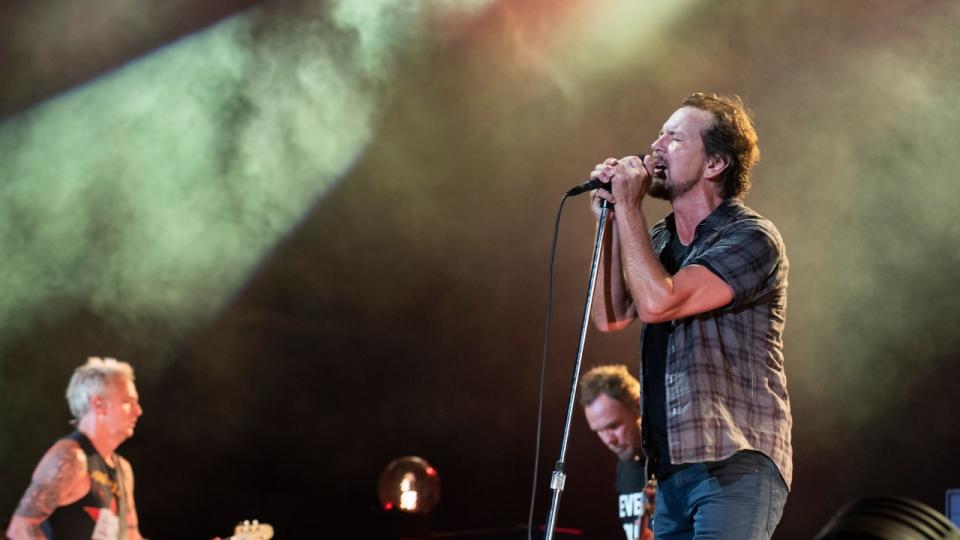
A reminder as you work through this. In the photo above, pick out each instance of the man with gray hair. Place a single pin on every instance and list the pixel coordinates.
(83, 489)
(610, 397)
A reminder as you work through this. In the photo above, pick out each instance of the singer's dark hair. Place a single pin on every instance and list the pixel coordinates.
(732, 134)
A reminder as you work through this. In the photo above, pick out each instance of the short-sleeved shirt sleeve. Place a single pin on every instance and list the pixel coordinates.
(747, 256)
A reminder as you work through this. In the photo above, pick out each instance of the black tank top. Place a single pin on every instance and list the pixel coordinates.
(98, 515)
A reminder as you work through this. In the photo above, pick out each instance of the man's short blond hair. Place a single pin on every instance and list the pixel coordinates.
(91, 379)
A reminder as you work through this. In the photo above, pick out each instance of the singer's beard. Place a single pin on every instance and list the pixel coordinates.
(662, 188)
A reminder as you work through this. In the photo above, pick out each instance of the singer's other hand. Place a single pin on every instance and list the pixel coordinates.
(603, 172)
(630, 180)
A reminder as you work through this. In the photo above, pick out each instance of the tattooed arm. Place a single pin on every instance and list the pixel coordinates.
(133, 523)
(59, 479)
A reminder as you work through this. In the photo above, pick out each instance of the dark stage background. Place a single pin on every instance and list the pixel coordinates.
(320, 230)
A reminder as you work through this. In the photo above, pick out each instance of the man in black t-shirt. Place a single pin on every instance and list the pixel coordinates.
(610, 397)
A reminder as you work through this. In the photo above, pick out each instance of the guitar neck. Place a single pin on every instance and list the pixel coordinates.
(252, 530)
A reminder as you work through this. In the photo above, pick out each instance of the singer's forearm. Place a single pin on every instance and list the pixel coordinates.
(612, 305)
(658, 296)
(647, 282)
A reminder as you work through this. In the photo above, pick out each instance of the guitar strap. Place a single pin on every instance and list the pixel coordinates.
(122, 506)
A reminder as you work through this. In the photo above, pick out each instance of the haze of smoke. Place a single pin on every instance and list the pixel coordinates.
(571, 49)
(152, 193)
(875, 198)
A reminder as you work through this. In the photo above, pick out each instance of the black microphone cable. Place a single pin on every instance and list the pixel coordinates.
(543, 364)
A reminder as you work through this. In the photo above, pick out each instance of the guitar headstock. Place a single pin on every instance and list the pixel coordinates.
(252, 530)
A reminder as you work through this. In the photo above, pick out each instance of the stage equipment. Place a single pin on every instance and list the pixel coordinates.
(408, 489)
(888, 518)
(952, 509)
(409, 484)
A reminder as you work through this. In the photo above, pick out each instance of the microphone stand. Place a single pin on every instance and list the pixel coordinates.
(559, 477)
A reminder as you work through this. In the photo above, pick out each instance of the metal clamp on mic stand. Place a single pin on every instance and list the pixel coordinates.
(558, 479)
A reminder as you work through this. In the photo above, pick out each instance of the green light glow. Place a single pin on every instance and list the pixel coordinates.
(153, 192)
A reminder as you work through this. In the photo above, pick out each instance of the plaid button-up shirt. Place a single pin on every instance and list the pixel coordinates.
(726, 389)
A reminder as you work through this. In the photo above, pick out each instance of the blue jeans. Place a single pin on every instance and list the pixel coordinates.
(739, 498)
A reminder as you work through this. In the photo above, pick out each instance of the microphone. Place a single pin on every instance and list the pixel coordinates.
(589, 185)
(593, 183)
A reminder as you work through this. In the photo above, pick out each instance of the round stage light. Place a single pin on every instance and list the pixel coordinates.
(409, 484)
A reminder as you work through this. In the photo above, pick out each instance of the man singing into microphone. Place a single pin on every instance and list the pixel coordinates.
(709, 283)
